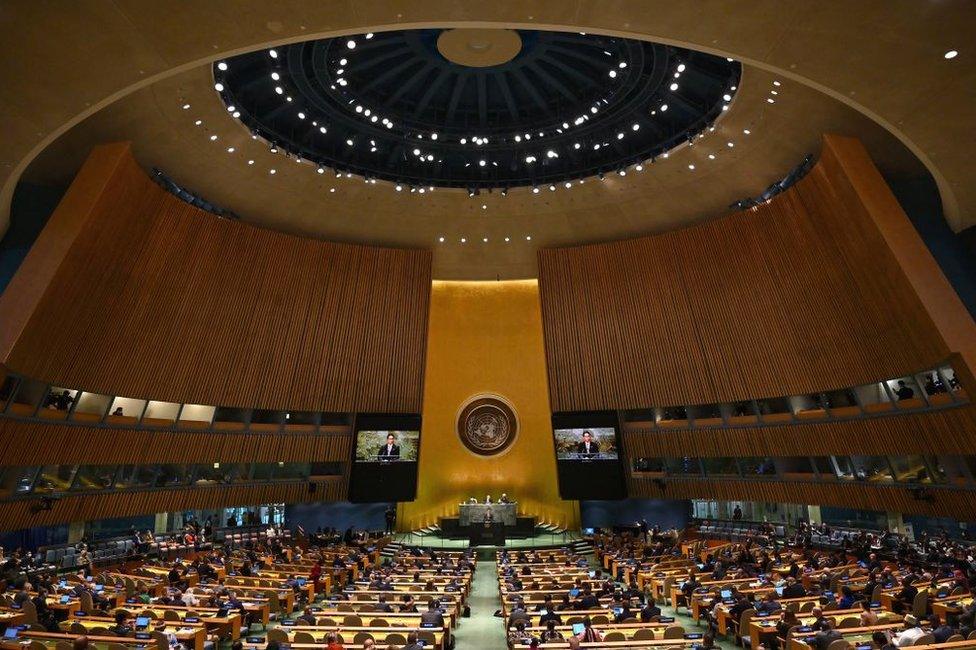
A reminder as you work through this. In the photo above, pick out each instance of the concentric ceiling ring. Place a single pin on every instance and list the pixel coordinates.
(391, 106)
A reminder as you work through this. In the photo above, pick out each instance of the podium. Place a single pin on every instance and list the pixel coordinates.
(490, 535)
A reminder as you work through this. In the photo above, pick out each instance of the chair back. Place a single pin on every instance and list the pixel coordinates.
(838, 644)
(379, 622)
(616, 635)
(920, 604)
(304, 637)
(644, 634)
(925, 639)
(849, 621)
(674, 632)
(361, 637)
(395, 638)
(352, 620)
(277, 634)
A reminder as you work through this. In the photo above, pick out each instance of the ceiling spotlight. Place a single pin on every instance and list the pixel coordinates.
(600, 176)
(272, 171)
(951, 54)
(198, 122)
(730, 144)
(236, 114)
(576, 145)
(481, 163)
(620, 136)
(332, 190)
(320, 170)
(552, 188)
(230, 149)
(711, 156)
(440, 239)
(635, 127)
(518, 138)
(287, 98)
(504, 191)
(639, 167)
(219, 87)
(746, 131)
(399, 188)
(273, 54)
(484, 239)
(343, 61)
(322, 129)
(691, 167)
(250, 162)
(470, 192)
(433, 136)
(301, 116)
(351, 44)
(463, 240)
(622, 65)
(567, 185)
(681, 67)
(349, 142)
(622, 172)
(725, 107)
(664, 107)
(770, 100)
(530, 159)
(673, 86)
(275, 76)
(422, 190)
(186, 107)
(613, 74)
(507, 239)
(279, 90)
(727, 97)
(484, 207)
(416, 152)
(213, 137)
(222, 66)
(528, 238)
(551, 154)
(535, 190)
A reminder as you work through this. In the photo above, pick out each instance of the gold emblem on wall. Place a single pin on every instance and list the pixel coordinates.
(487, 424)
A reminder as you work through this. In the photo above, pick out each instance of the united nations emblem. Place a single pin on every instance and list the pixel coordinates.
(487, 424)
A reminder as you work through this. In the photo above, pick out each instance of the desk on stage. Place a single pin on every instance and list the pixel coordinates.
(492, 535)
(474, 513)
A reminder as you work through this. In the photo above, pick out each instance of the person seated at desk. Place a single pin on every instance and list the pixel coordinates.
(432, 617)
(383, 606)
(390, 451)
(793, 589)
(517, 634)
(905, 597)
(307, 617)
(487, 499)
(768, 605)
(409, 605)
(868, 616)
(121, 626)
(589, 634)
(649, 611)
(551, 633)
(910, 634)
(845, 600)
(587, 446)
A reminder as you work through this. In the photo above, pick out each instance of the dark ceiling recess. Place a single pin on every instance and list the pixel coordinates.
(391, 106)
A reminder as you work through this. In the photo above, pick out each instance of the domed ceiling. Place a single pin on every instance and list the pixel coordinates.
(476, 108)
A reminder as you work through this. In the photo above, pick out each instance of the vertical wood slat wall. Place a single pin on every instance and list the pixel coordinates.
(796, 296)
(158, 299)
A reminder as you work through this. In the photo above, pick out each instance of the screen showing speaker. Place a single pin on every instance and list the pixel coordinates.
(385, 453)
(587, 448)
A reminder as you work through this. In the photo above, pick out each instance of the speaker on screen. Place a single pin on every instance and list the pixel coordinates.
(587, 448)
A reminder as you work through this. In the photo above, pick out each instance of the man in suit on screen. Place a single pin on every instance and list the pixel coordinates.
(390, 451)
(588, 446)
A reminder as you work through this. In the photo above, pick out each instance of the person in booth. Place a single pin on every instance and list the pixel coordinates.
(391, 450)
(588, 446)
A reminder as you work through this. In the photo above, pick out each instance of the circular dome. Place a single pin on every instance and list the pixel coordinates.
(478, 108)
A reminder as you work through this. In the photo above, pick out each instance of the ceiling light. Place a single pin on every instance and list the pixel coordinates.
(635, 127)
(727, 97)
(320, 170)
(681, 67)
(567, 185)
(664, 107)
(273, 54)
(518, 138)
(230, 149)
(341, 82)
(484, 239)
(639, 167)
(272, 171)
(552, 188)
(186, 107)
(725, 107)
(528, 238)
(250, 162)
(535, 190)
(274, 148)
(613, 74)
(773, 92)
(279, 90)
(463, 240)
(287, 98)
(275, 76)
(551, 154)
(576, 145)
(399, 188)
(711, 156)
(237, 114)
(484, 207)
(770, 100)
(322, 129)
(622, 172)
(620, 136)
(369, 35)
(464, 141)
(691, 167)
(430, 157)
(219, 87)
(213, 137)
(359, 109)
(481, 163)
(349, 142)
(301, 116)
(746, 131)
(622, 65)
(507, 239)
(422, 190)
(730, 144)
(198, 122)
(332, 190)
(440, 239)
(351, 44)
(776, 83)
(416, 152)
(343, 61)
(367, 113)
(673, 86)
(951, 54)
(433, 136)
(222, 66)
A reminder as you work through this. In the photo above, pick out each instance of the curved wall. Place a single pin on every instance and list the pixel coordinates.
(131, 291)
(799, 295)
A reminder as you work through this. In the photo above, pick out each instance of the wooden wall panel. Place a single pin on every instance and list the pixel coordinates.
(158, 299)
(37, 443)
(955, 504)
(798, 295)
(950, 431)
(16, 514)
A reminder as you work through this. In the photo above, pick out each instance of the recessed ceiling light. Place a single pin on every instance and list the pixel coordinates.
(369, 35)
(691, 167)
(331, 189)
(639, 167)
(507, 239)
(279, 90)
(230, 149)
(213, 137)
(343, 61)
(186, 107)
(322, 129)
(673, 86)
(567, 185)
(351, 44)
(776, 83)
(535, 190)
(664, 107)
(951, 54)
(613, 74)
(273, 54)
(237, 114)
(198, 122)
(349, 142)
(440, 239)
(222, 66)
(250, 162)
(320, 170)
(711, 156)
(421, 190)
(635, 127)
(730, 144)
(746, 131)
(484, 207)
(727, 97)
(484, 239)
(770, 100)
(528, 238)
(773, 92)
(272, 171)
(463, 240)
(275, 76)
(219, 87)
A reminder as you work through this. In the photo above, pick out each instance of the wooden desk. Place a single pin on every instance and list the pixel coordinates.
(223, 626)
(191, 634)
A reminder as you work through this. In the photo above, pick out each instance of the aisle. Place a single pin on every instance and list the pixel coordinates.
(483, 630)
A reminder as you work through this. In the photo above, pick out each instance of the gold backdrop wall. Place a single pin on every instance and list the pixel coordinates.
(486, 337)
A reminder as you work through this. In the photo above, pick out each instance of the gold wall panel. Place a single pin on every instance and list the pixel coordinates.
(486, 337)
